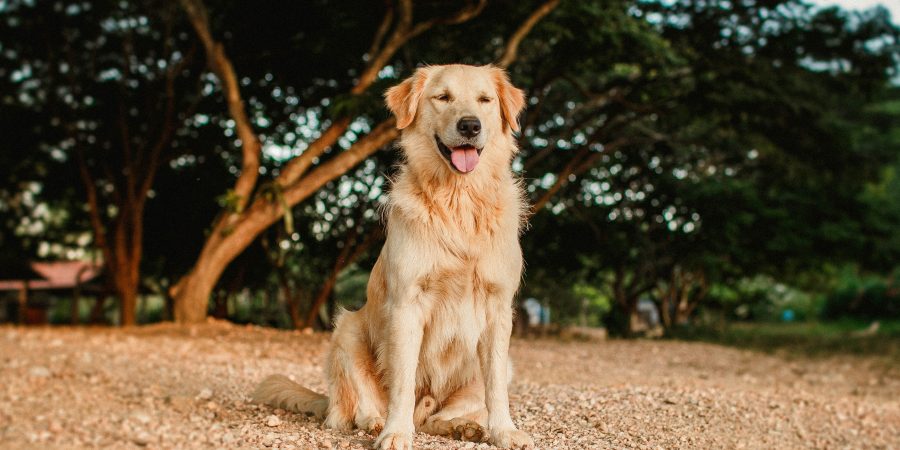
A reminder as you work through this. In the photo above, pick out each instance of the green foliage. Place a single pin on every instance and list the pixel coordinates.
(350, 290)
(761, 298)
(595, 305)
(274, 193)
(864, 297)
(230, 201)
(355, 105)
(599, 302)
(745, 145)
(578, 299)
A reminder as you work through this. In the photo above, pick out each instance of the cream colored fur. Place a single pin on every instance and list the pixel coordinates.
(429, 350)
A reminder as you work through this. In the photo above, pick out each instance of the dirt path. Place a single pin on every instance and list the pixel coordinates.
(168, 387)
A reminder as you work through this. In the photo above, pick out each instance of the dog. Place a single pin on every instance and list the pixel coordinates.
(429, 350)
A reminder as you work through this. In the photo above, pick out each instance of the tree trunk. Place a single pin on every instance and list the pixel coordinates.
(291, 298)
(128, 298)
(331, 309)
(127, 253)
(122, 245)
(97, 317)
(229, 238)
(293, 307)
(169, 312)
(126, 285)
(625, 304)
(351, 251)
(23, 302)
(630, 309)
(694, 288)
(329, 283)
(76, 295)
(220, 310)
(666, 305)
(324, 295)
(192, 292)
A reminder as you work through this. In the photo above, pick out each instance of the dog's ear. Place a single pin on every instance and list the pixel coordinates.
(403, 99)
(512, 99)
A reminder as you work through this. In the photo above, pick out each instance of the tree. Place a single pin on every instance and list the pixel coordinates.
(691, 171)
(879, 130)
(111, 88)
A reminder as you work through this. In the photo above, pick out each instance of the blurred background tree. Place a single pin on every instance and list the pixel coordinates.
(722, 160)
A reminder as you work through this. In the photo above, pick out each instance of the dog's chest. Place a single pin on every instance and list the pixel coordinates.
(448, 358)
(459, 216)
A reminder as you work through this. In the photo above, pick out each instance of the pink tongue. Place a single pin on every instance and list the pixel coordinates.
(464, 159)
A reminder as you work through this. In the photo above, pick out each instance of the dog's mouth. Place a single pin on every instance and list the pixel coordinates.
(463, 158)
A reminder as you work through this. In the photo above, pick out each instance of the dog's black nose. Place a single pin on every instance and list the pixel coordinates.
(469, 126)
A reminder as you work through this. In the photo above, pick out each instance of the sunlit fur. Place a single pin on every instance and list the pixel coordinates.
(429, 350)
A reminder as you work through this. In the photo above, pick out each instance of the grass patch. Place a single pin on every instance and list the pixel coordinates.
(843, 337)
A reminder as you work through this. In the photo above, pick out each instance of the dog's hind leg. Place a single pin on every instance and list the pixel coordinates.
(355, 394)
(462, 416)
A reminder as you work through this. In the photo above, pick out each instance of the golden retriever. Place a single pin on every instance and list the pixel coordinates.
(429, 350)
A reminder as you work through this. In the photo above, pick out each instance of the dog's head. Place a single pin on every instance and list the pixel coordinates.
(462, 111)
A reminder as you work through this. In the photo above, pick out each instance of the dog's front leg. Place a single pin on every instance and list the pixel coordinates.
(404, 342)
(494, 354)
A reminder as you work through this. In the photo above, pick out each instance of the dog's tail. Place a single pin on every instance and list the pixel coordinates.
(280, 392)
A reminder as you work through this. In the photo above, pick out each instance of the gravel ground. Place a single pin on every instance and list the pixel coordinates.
(163, 386)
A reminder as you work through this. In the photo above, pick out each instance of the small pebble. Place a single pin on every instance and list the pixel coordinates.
(39, 372)
(142, 438)
(273, 421)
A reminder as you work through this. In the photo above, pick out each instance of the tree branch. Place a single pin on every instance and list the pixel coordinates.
(296, 167)
(381, 135)
(168, 128)
(511, 50)
(345, 258)
(461, 16)
(222, 67)
(382, 31)
(399, 37)
(94, 208)
(404, 31)
(128, 167)
(580, 163)
(561, 178)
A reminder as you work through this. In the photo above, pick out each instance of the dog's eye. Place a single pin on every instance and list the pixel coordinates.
(484, 99)
(443, 97)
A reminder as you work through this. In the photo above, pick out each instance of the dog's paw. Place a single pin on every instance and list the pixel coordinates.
(394, 441)
(337, 422)
(511, 439)
(371, 425)
(466, 430)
